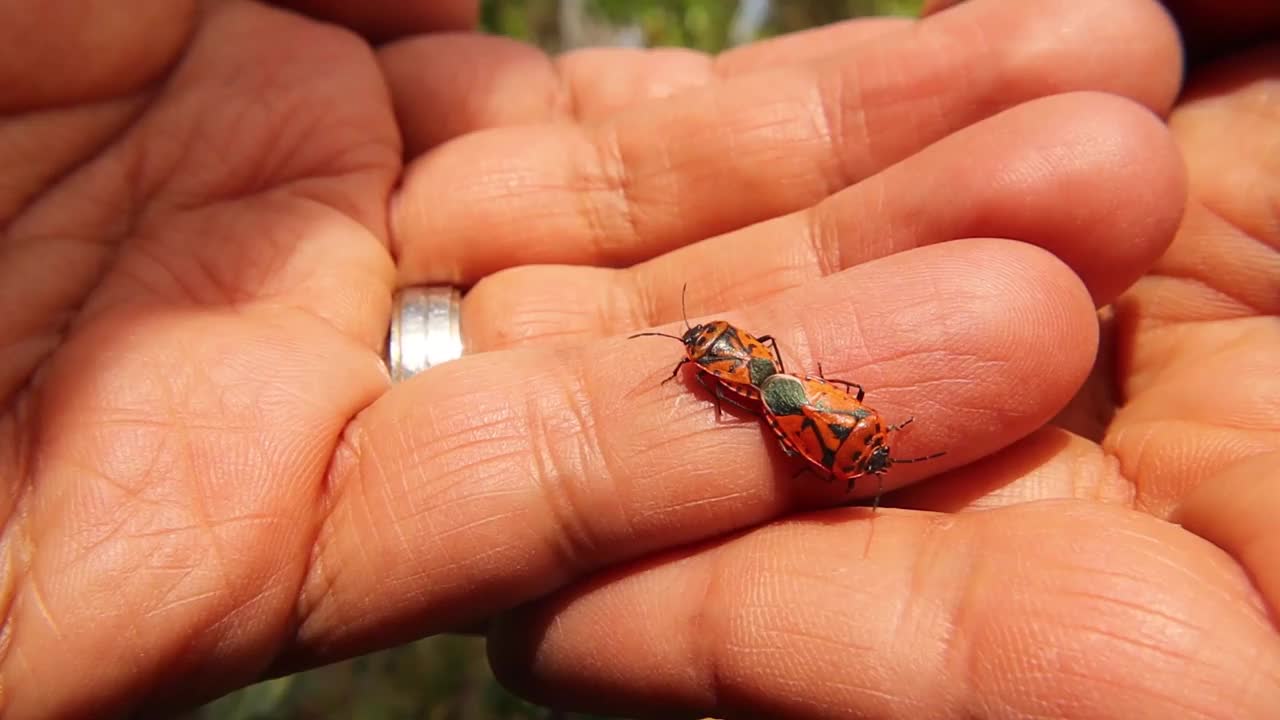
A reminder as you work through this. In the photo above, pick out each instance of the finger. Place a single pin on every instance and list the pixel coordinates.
(1202, 323)
(1093, 408)
(718, 158)
(58, 54)
(1062, 461)
(1225, 262)
(1236, 511)
(434, 78)
(1208, 26)
(386, 19)
(318, 245)
(1065, 610)
(494, 479)
(1049, 464)
(808, 45)
(1003, 177)
(227, 225)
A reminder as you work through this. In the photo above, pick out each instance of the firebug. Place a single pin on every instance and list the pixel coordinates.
(836, 435)
(736, 361)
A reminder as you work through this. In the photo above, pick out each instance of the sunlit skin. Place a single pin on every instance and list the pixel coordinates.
(208, 478)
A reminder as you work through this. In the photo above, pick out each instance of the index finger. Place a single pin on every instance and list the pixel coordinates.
(489, 481)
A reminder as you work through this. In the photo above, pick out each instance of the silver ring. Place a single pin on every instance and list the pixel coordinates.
(426, 329)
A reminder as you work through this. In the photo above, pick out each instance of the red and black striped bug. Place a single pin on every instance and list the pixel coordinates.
(830, 429)
(736, 361)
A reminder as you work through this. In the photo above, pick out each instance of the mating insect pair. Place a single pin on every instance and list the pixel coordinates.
(828, 427)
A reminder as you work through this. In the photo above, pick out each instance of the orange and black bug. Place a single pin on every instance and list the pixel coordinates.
(735, 360)
(836, 435)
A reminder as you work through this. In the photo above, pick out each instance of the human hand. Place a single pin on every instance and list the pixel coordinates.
(1062, 587)
(195, 288)
(208, 477)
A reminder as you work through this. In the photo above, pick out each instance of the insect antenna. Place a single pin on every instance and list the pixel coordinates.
(684, 312)
(656, 334)
(919, 459)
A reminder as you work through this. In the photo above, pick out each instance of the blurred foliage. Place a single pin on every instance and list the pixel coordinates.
(447, 677)
(441, 678)
(699, 24)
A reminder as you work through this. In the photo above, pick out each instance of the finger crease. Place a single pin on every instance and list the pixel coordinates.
(612, 171)
(823, 233)
(560, 477)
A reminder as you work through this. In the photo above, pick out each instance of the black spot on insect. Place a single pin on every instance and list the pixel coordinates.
(842, 431)
(828, 453)
(725, 345)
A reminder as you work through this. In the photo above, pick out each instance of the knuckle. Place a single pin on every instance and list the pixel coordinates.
(573, 471)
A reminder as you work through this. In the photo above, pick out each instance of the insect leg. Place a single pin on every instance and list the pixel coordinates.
(729, 399)
(919, 459)
(675, 372)
(684, 309)
(848, 386)
(922, 458)
(720, 395)
(773, 344)
(716, 393)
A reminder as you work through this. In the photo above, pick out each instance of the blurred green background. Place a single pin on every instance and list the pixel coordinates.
(446, 677)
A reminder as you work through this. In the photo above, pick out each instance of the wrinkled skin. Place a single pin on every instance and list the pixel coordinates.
(207, 477)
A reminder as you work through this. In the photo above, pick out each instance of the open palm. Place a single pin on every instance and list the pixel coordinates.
(196, 282)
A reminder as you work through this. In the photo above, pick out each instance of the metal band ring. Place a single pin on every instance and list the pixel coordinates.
(426, 329)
